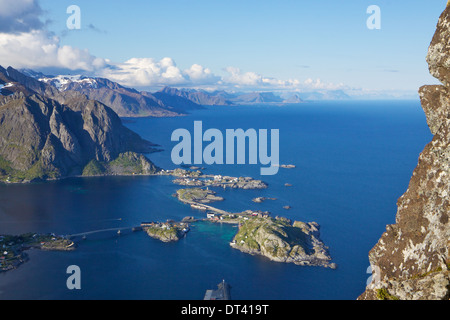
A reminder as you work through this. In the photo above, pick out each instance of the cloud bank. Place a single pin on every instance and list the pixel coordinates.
(25, 42)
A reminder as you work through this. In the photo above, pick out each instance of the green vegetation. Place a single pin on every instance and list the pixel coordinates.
(130, 165)
(12, 255)
(33, 240)
(277, 236)
(423, 275)
(186, 173)
(93, 168)
(167, 232)
(36, 172)
(170, 232)
(5, 167)
(383, 294)
(281, 227)
(197, 195)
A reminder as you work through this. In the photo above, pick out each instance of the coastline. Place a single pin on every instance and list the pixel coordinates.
(13, 247)
(198, 196)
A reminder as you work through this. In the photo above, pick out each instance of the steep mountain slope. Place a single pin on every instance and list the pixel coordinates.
(42, 138)
(411, 260)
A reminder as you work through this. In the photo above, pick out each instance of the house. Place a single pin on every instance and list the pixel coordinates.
(213, 216)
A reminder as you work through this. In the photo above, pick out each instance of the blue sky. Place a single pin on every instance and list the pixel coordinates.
(283, 44)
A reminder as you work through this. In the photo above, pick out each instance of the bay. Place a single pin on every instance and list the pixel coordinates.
(353, 161)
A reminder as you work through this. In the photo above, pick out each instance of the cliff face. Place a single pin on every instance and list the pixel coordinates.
(411, 260)
(42, 138)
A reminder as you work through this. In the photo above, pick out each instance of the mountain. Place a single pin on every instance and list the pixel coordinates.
(48, 134)
(219, 98)
(198, 97)
(178, 98)
(324, 95)
(209, 99)
(411, 261)
(126, 102)
(293, 99)
(257, 97)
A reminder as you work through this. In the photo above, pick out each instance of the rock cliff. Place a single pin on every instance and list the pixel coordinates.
(411, 260)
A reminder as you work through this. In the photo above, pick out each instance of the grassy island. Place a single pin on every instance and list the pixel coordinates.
(197, 195)
(281, 240)
(166, 232)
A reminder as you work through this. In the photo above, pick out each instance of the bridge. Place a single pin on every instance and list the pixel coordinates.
(117, 231)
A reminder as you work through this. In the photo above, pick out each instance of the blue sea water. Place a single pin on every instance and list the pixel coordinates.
(353, 161)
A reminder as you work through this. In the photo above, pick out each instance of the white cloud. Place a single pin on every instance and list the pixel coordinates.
(38, 48)
(252, 80)
(237, 78)
(198, 74)
(145, 72)
(318, 84)
(25, 43)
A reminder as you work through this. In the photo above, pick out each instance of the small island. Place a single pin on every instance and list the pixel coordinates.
(12, 247)
(197, 195)
(281, 240)
(287, 166)
(199, 179)
(259, 234)
(169, 231)
(262, 199)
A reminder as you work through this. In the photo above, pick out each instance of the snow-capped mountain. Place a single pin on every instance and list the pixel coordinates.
(126, 102)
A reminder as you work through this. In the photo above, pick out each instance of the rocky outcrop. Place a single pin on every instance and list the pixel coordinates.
(411, 260)
(282, 241)
(42, 138)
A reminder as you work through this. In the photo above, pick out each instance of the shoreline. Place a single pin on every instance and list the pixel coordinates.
(198, 196)
(14, 246)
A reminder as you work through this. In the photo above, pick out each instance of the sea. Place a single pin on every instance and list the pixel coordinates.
(353, 160)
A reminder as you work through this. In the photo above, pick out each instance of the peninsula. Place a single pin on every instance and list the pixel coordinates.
(12, 247)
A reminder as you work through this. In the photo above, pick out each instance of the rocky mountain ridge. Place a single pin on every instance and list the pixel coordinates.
(48, 134)
(411, 260)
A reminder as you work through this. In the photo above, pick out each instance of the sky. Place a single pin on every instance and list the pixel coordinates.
(245, 45)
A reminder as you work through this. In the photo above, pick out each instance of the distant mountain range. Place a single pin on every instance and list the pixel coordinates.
(168, 102)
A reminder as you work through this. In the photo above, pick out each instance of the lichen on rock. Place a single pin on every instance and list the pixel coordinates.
(412, 257)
